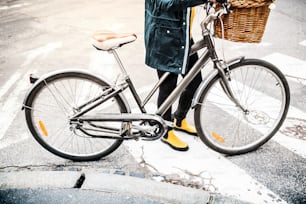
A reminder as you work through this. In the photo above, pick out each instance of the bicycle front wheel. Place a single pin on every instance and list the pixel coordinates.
(261, 89)
(60, 96)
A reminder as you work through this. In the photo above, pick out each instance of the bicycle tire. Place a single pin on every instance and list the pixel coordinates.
(49, 106)
(262, 89)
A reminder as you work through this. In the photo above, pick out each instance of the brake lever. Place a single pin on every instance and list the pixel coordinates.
(207, 6)
(227, 6)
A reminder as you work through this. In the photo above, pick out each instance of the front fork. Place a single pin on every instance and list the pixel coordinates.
(224, 73)
(220, 65)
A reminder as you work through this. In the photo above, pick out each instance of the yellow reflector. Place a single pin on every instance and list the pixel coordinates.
(217, 137)
(43, 128)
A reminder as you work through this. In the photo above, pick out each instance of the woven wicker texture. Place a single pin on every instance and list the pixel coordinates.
(249, 3)
(247, 21)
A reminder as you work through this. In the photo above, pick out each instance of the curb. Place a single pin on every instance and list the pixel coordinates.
(97, 181)
(147, 188)
(124, 185)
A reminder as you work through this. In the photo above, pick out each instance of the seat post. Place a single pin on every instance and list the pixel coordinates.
(128, 81)
(113, 51)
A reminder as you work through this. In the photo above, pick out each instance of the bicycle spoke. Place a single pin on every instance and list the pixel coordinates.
(242, 131)
(58, 100)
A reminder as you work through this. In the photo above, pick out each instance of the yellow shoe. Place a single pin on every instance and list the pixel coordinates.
(174, 142)
(185, 127)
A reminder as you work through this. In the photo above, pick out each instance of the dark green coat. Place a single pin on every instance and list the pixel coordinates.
(167, 33)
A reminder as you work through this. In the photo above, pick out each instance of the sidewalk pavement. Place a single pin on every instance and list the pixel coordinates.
(96, 187)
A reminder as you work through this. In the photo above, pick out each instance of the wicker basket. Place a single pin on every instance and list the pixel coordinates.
(246, 23)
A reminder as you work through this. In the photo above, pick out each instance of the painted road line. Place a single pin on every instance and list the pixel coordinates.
(288, 65)
(292, 67)
(10, 141)
(40, 52)
(9, 83)
(297, 146)
(12, 105)
(30, 57)
(303, 43)
(13, 6)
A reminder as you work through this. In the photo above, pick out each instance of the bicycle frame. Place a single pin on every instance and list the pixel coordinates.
(209, 53)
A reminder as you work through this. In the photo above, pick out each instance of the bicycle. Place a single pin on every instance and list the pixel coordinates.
(80, 116)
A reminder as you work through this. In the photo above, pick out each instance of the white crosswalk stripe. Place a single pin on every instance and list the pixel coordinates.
(9, 83)
(294, 68)
(14, 6)
(12, 105)
(290, 66)
(16, 85)
(297, 146)
(303, 43)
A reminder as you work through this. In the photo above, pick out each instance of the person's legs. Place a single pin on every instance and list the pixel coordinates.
(186, 100)
(165, 90)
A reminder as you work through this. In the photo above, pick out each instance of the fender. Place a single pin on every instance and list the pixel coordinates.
(211, 75)
(43, 78)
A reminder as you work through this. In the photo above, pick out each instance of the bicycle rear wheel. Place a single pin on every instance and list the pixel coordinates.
(261, 89)
(58, 97)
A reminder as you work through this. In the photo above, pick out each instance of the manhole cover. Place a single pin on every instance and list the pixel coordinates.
(294, 127)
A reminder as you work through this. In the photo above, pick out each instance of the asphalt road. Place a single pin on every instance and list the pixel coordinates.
(40, 36)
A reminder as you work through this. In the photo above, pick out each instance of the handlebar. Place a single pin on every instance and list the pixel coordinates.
(213, 15)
